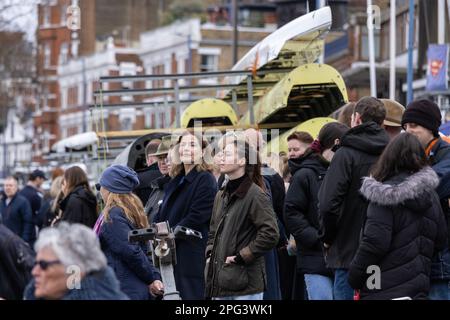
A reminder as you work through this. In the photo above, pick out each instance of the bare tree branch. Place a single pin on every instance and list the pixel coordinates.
(9, 22)
(14, 10)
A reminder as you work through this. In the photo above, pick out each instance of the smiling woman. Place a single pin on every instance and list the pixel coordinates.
(71, 266)
(188, 202)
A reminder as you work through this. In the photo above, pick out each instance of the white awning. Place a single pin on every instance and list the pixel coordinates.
(76, 142)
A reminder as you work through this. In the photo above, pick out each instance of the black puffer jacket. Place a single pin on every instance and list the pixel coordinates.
(301, 213)
(341, 207)
(16, 262)
(405, 226)
(80, 206)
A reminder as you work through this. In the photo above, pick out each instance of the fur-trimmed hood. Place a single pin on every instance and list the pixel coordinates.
(411, 190)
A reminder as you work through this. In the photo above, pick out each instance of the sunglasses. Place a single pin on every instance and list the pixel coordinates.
(44, 265)
(97, 186)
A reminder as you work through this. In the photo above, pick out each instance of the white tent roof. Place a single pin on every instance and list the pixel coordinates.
(76, 142)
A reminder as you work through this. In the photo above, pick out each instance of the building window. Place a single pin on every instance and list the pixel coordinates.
(252, 18)
(64, 14)
(364, 54)
(71, 131)
(147, 119)
(64, 54)
(173, 114)
(385, 44)
(72, 96)
(46, 145)
(46, 15)
(187, 66)
(64, 98)
(126, 124)
(339, 11)
(218, 15)
(47, 55)
(163, 119)
(159, 69)
(127, 69)
(402, 32)
(208, 62)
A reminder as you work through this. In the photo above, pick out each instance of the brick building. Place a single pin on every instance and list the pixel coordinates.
(192, 46)
(60, 98)
(70, 61)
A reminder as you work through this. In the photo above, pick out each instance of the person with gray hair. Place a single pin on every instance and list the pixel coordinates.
(71, 266)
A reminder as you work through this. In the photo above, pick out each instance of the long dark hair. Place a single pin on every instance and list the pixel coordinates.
(403, 154)
(252, 162)
(75, 177)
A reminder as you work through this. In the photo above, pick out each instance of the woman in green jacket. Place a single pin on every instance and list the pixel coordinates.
(242, 229)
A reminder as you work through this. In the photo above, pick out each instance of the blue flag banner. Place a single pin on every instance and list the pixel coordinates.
(437, 70)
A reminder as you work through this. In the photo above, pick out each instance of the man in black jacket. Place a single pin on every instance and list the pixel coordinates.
(15, 211)
(147, 175)
(32, 192)
(341, 207)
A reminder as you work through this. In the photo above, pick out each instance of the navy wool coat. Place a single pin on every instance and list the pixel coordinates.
(17, 217)
(128, 260)
(188, 202)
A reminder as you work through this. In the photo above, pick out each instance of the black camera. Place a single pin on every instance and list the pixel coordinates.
(162, 250)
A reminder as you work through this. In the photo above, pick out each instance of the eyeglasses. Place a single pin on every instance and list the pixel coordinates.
(44, 265)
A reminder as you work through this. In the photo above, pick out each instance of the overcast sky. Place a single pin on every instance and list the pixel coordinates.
(19, 15)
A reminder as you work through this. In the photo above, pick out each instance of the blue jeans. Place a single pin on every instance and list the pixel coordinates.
(440, 266)
(319, 287)
(439, 290)
(342, 289)
(255, 296)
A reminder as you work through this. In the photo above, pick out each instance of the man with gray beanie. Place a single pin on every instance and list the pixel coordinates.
(422, 118)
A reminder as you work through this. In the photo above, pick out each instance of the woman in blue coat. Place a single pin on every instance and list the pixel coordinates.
(124, 212)
(188, 202)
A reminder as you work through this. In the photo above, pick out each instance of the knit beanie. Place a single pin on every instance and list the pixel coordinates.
(425, 113)
(119, 179)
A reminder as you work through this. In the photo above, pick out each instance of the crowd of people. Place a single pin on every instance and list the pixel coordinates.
(367, 199)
